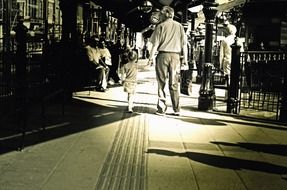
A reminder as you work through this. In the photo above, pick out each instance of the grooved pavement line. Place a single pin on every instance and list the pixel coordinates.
(125, 165)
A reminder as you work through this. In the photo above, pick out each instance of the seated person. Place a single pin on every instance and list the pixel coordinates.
(100, 69)
(106, 56)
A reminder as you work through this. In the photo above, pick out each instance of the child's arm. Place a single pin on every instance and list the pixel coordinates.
(122, 73)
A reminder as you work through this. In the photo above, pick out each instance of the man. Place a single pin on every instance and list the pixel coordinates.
(169, 40)
(21, 61)
(226, 50)
(101, 69)
(106, 57)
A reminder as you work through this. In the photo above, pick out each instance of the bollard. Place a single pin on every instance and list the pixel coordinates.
(233, 91)
(206, 92)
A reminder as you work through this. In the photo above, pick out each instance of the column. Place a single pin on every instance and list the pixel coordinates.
(206, 93)
(68, 51)
(69, 19)
(7, 61)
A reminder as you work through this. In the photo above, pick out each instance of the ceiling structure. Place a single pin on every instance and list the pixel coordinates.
(129, 13)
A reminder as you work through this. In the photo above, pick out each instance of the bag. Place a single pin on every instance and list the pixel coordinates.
(186, 82)
(219, 78)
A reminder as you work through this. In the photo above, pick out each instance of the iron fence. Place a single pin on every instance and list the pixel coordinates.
(261, 82)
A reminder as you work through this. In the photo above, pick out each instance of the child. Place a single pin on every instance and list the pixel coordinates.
(129, 77)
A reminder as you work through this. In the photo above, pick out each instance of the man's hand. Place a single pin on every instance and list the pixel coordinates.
(183, 64)
(149, 62)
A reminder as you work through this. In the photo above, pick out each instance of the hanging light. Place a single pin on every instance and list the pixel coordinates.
(146, 6)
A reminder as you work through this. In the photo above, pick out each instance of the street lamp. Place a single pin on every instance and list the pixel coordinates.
(146, 6)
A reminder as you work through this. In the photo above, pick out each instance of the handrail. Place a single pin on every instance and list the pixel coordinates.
(265, 55)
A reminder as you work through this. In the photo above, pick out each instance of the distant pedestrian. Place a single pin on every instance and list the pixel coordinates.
(21, 61)
(21, 52)
(225, 53)
(129, 72)
(225, 49)
(170, 40)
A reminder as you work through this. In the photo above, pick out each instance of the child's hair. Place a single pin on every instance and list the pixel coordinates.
(132, 56)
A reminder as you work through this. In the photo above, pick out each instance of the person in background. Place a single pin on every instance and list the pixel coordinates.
(106, 56)
(226, 50)
(170, 41)
(129, 71)
(101, 69)
(115, 50)
(21, 61)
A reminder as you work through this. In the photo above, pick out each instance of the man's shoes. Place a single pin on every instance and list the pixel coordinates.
(100, 89)
(130, 110)
(160, 113)
(176, 114)
(110, 82)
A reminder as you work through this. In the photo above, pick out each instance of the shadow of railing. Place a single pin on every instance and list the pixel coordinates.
(79, 116)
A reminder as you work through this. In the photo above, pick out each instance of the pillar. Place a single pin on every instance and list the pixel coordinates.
(69, 46)
(7, 60)
(184, 22)
(7, 7)
(69, 19)
(206, 93)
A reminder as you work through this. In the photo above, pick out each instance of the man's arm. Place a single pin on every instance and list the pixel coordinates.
(154, 44)
(101, 62)
(90, 54)
(152, 53)
(122, 74)
(184, 54)
(184, 48)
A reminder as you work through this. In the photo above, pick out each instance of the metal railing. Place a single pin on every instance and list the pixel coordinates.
(262, 82)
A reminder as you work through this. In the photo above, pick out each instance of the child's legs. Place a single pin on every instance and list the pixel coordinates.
(130, 100)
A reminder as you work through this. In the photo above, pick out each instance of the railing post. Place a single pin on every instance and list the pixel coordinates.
(233, 92)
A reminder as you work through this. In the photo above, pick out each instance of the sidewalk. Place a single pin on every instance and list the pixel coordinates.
(97, 145)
